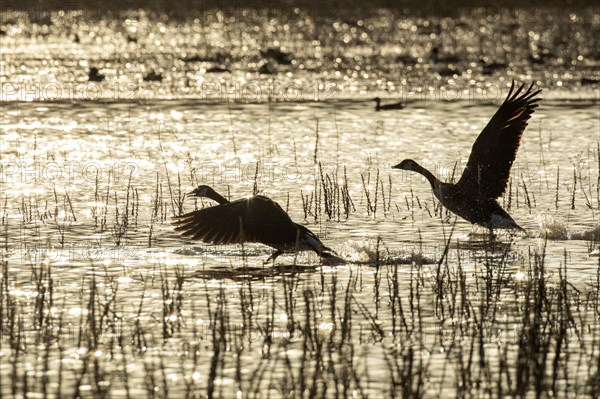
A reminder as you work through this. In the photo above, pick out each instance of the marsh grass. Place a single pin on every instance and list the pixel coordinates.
(483, 320)
(489, 319)
(470, 325)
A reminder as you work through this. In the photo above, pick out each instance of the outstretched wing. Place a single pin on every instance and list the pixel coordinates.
(256, 219)
(269, 223)
(494, 151)
(218, 224)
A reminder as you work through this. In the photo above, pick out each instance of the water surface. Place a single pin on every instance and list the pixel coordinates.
(100, 297)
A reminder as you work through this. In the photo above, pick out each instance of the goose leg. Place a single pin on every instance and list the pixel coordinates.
(273, 256)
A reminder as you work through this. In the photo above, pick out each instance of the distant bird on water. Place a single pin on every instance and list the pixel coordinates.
(95, 76)
(255, 219)
(267, 69)
(386, 107)
(277, 55)
(218, 69)
(485, 177)
(152, 76)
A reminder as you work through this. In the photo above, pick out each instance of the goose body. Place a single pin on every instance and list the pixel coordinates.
(255, 219)
(486, 175)
(386, 107)
(436, 58)
(94, 75)
(152, 76)
(282, 58)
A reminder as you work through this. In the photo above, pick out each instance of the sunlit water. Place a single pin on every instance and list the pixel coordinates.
(89, 187)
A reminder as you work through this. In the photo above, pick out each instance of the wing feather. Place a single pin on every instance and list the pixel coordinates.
(495, 150)
(217, 224)
(256, 219)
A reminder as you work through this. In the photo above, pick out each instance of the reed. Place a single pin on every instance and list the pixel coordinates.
(574, 188)
(458, 304)
(316, 152)
(378, 195)
(598, 174)
(293, 330)
(557, 187)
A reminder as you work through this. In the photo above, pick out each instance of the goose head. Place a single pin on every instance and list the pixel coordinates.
(206, 191)
(201, 191)
(407, 164)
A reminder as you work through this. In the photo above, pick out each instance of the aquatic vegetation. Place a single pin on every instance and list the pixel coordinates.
(100, 297)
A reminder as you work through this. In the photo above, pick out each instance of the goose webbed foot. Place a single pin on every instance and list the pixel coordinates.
(273, 256)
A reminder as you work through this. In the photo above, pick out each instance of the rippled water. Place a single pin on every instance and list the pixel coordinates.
(215, 55)
(106, 299)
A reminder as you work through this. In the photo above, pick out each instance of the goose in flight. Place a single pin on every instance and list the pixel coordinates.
(255, 219)
(485, 177)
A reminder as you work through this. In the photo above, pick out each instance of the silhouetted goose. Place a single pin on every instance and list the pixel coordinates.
(218, 69)
(436, 58)
(277, 55)
(219, 58)
(589, 81)
(267, 69)
(405, 59)
(485, 177)
(95, 76)
(255, 219)
(193, 58)
(386, 107)
(152, 76)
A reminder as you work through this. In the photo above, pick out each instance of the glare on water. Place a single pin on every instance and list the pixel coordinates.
(100, 295)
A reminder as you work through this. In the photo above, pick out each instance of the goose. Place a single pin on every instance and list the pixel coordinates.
(218, 69)
(386, 107)
(485, 177)
(589, 81)
(94, 75)
(255, 219)
(267, 69)
(277, 55)
(153, 76)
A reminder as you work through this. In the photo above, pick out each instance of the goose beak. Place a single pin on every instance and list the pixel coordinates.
(192, 194)
(396, 166)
